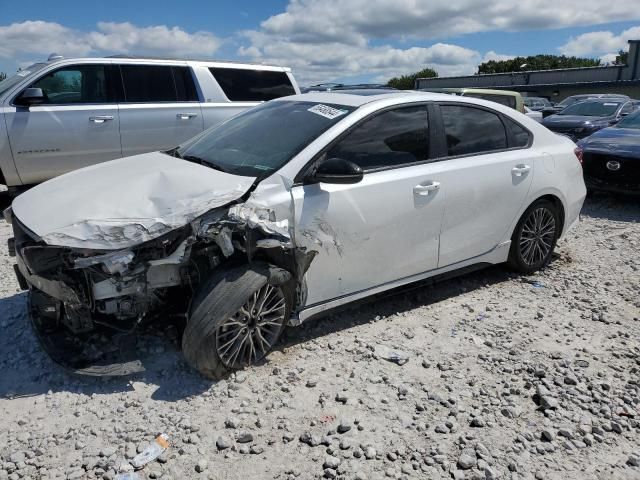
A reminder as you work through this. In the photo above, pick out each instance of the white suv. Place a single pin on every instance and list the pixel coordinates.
(287, 210)
(69, 113)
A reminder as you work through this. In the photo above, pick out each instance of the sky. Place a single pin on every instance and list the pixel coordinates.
(321, 40)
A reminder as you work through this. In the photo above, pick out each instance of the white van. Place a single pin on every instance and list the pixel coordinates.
(65, 114)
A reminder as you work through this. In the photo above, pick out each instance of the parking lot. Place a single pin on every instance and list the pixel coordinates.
(507, 377)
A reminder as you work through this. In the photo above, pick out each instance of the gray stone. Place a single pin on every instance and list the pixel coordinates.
(467, 459)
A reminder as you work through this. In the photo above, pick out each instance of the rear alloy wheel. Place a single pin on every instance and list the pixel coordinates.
(236, 319)
(535, 237)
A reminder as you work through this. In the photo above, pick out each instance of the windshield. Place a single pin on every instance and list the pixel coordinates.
(631, 121)
(592, 109)
(9, 82)
(261, 140)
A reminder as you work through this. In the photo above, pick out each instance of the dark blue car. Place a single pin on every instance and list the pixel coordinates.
(611, 157)
(585, 118)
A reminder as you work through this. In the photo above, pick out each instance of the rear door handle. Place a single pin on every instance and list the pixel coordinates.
(101, 118)
(186, 116)
(520, 170)
(425, 189)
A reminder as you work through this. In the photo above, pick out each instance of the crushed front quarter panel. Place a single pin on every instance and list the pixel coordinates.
(125, 202)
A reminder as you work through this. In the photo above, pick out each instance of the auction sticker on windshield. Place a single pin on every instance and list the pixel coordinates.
(327, 111)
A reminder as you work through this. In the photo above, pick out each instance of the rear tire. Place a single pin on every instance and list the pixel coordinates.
(236, 319)
(535, 237)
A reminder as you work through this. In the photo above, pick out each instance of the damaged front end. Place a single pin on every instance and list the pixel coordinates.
(86, 303)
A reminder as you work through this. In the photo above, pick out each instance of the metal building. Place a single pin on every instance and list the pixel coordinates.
(555, 84)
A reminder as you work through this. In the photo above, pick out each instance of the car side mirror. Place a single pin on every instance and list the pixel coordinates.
(335, 170)
(624, 114)
(31, 96)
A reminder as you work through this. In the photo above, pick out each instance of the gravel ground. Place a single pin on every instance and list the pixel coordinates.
(507, 377)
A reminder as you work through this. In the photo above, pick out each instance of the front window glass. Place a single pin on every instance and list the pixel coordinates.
(632, 121)
(77, 84)
(592, 109)
(10, 82)
(261, 140)
(390, 139)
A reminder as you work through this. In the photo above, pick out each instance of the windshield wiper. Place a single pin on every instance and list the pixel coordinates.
(202, 161)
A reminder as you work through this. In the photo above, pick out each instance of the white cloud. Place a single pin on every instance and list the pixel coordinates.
(26, 39)
(602, 43)
(355, 21)
(328, 39)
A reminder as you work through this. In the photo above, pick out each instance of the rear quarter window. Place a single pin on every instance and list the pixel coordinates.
(241, 85)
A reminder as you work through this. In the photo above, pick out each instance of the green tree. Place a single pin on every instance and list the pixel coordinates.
(536, 62)
(622, 57)
(407, 82)
(2, 76)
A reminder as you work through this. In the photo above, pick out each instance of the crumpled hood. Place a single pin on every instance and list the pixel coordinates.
(125, 202)
(614, 141)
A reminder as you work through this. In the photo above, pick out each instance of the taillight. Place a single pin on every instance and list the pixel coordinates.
(578, 152)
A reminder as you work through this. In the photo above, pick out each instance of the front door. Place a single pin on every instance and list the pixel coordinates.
(385, 227)
(78, 124)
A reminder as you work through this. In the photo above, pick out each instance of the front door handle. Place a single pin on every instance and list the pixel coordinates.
(425, 189)
(520, 170)
(101, 118)
(186, 116)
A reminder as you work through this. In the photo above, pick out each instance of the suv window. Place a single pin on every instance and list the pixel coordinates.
(158, 83)
(471, 130)
(75, 84)
(241, 85)
(390, 139)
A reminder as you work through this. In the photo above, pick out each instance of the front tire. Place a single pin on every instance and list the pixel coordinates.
(235, 320)
(535, 237)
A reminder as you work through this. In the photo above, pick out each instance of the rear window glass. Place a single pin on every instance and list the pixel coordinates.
(519, 135)
(471, 130)
(240, 85)
(158, 83)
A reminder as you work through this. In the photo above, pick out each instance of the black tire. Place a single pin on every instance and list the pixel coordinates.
(217, 310)
(542, 241)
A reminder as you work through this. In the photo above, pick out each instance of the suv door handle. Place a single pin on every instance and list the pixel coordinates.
(101, 118)
(520, 170)
(425, 189)
(186, 116)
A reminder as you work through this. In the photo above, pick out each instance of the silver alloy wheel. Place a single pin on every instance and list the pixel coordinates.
(536, 238)
(249, 335)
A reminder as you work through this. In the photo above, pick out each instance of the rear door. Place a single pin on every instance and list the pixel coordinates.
(161, 108)
(385, 227)
(78, 125)
(485, 170)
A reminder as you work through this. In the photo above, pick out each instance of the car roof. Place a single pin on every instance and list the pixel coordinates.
(348, 98)
(487, 91)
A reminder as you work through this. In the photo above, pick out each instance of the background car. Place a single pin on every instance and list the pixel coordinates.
(537, 104)
(504, 97)
(558, 107)
(587, 117)
(288, 210)
(611, 157)
(65, 114)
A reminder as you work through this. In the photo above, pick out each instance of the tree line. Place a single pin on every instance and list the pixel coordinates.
(517, 64)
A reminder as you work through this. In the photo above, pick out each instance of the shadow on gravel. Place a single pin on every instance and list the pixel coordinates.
(27, 370)
(619, 208)
(396, 301)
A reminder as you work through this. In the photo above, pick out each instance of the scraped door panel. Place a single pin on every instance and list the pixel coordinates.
(367, 234)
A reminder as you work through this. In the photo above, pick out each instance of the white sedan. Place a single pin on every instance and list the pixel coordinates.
(290, 209)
